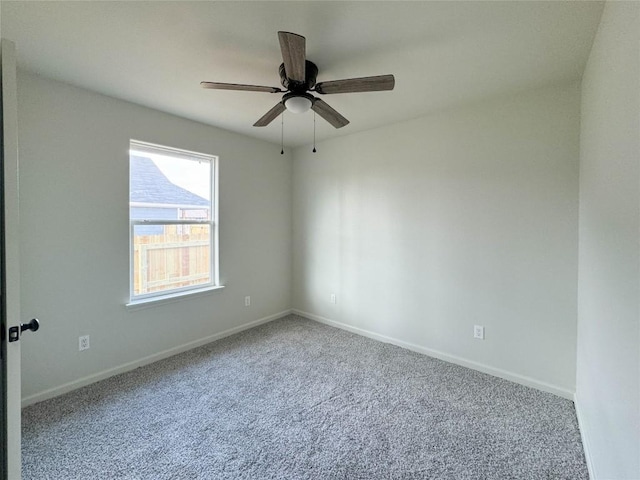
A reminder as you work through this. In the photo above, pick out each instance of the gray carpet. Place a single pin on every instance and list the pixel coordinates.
(294, 399)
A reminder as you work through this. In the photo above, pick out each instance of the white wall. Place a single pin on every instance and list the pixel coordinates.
(608, 365)
(422, 229)
(465, 217)
(75, 241)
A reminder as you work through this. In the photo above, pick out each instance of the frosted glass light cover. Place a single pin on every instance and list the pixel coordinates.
(298, 104)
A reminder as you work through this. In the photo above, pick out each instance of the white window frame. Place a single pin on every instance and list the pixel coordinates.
(214, 270)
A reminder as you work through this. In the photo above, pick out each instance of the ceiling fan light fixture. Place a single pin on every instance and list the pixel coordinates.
(298, 103)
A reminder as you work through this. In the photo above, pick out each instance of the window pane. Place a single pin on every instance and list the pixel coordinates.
(168, 186)
(168, 257)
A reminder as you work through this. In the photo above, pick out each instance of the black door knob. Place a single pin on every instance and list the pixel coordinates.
(33, 325)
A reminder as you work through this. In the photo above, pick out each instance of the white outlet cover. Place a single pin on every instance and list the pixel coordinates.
(84, 343)
(333, 298)
(478, 332)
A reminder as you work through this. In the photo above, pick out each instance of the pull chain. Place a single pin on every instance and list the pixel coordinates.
(282, 134)
(314, 131)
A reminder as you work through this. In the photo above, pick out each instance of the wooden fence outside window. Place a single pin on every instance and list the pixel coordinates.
(179, 257)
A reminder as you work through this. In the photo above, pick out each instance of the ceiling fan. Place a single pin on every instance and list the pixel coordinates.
(298, 77)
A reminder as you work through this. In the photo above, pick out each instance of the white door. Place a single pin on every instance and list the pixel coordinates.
(10, 279)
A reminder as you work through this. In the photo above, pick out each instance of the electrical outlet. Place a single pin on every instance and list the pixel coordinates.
(333, 298)
(478, 332)
(247, 301)
(83, 343)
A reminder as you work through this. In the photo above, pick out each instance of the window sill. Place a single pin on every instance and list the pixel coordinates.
(171, 298)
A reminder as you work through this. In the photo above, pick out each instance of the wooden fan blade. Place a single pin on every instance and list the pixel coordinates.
(293, 55)
(238, 86)
(271, 115)
(323, 109)
(363, 84)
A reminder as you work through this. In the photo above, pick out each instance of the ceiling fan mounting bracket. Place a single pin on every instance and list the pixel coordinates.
(311, 72)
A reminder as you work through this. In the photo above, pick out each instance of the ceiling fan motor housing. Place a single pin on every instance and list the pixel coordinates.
(311, 72)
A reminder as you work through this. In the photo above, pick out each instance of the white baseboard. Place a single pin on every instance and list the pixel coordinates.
(96, 377)
(584, 437)
(496, 372)
(514, 377)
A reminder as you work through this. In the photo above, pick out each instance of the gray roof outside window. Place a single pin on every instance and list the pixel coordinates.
(149, 185)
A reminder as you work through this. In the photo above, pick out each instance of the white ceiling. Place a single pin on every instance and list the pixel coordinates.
(155, 53)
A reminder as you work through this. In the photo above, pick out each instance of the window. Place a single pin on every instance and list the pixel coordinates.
(172, 221)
